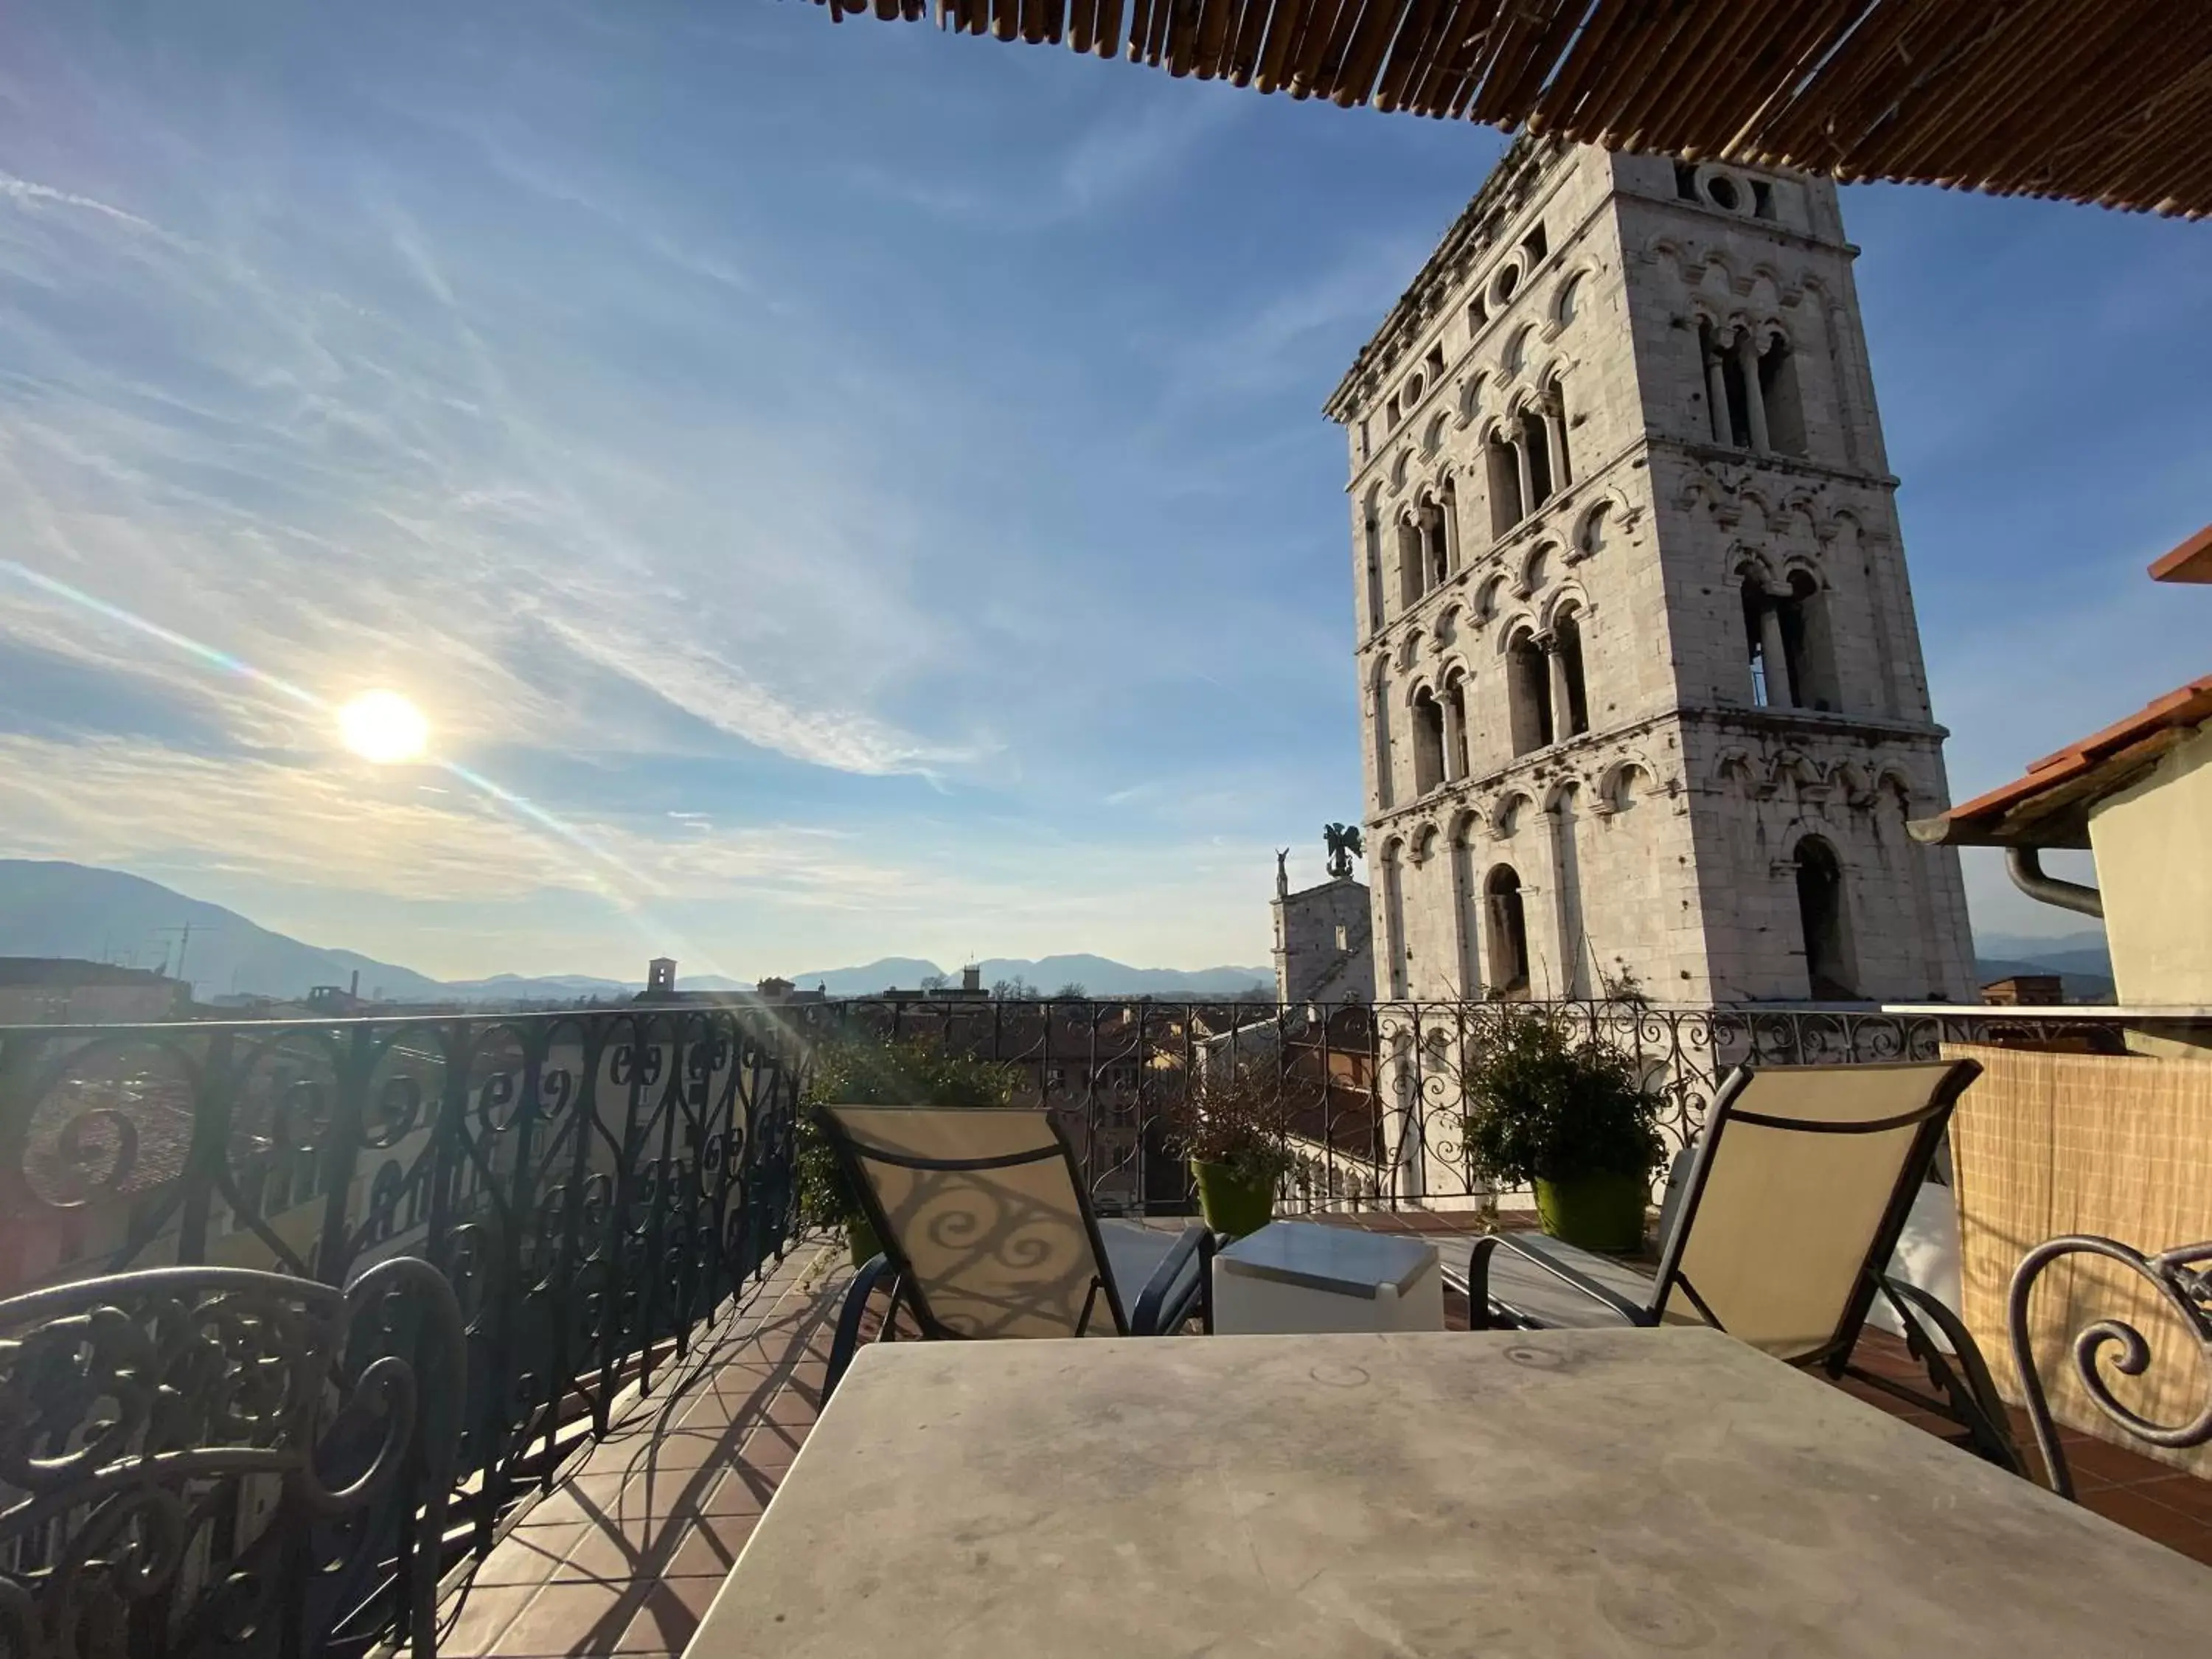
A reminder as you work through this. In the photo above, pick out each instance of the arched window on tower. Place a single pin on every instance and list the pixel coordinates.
(1778, 393)
(1536, 444)
(1456, 746)
(1825, 923)
(1567, 653)
(1555, 419)
(1374, 564)
(1764, 647)
(1436, 556)
(1448, 553)
(1506, 923)
(1379, 717)
(1528, 693)
(1428, 741)
(1803, 615)
(1504, 479)
(1394, 919)
(1729, 404)
(1409, 563)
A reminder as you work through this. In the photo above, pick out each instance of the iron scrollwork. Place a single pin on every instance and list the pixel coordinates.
(2184, 1285)
(594, 1183)
(193, 1459)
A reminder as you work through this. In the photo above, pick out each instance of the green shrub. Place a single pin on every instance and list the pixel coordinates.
(1543, 1107)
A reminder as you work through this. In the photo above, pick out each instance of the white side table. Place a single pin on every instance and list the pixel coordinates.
(1293, 1276)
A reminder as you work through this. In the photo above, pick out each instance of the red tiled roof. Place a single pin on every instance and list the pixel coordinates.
(2191, 561)
(2049, 807)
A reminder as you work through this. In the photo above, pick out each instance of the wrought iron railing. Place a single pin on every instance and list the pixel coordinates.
(593, 1183)
(596, 1183)
(1378, 1088)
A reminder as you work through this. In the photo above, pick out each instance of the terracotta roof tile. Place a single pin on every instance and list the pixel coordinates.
(2072, 772)
(2191, 561)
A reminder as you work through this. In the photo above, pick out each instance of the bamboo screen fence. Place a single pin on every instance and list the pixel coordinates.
(2107, 101)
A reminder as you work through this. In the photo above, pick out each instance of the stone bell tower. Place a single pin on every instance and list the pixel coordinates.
(1641, 687)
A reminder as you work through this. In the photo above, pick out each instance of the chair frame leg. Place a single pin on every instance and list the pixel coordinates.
(846, 1341)
(1969, 1393)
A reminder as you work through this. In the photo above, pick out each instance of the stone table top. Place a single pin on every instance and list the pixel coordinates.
(1545, 1495)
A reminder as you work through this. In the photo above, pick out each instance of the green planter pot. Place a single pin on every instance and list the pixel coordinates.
(1595, 1212)
(1230, 1204)
(860, 1238)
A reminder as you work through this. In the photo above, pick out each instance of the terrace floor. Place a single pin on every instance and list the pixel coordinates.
(624, 1555)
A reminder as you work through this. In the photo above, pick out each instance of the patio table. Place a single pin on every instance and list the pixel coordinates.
(1546, 1495)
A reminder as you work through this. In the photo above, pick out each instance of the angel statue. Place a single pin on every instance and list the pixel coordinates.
(1344, 845)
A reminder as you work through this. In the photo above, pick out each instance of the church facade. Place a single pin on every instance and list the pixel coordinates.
(1643, 700)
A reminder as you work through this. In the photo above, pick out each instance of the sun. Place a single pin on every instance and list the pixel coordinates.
(384, 727)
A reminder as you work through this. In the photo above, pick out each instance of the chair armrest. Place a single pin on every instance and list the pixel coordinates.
(1153, 1315)
(1970, 1393)
(1534, 1247)
(1474, 1283)
(846, 1341)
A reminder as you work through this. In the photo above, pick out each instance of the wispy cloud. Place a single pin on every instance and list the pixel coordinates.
(28, 193)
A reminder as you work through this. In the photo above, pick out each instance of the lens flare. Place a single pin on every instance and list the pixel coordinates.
(383, 726)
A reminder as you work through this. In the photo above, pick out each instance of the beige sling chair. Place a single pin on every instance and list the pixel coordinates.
(1778, 1231)
(986, 1233)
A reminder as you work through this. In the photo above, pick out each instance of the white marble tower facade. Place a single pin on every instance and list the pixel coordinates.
(1641, 687)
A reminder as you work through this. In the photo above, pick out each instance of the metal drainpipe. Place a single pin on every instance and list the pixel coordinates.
(2024, 866)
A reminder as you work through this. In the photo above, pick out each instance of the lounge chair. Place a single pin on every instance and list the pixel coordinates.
(1778, 1231)
(986, 1233)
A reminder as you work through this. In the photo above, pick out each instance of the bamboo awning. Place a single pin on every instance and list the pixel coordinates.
(2107, 101)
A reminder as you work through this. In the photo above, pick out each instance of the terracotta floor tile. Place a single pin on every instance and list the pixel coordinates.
(2146, 1516)
(742, 1490)
(774, 1445)
(2114, 1465)
(676, 1492)
(710, 1548)
(485, 1612)
(792, 1409)
(599, 1485)
(529, 1555)
(670, 1614)
(571, 1617)
(2185, 1492)
(683, 1449)
(558, 1508)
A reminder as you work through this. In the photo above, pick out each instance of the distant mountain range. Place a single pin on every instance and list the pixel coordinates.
(58, 909)
(1098, 976)
(53, 909)
(2081, 960)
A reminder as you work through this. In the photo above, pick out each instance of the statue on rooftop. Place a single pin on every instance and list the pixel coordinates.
(1345, 844)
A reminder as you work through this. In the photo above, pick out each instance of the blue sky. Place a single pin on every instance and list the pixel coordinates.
(863, 489)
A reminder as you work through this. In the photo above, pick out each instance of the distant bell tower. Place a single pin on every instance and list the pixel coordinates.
(660, 976)
(1641, 686)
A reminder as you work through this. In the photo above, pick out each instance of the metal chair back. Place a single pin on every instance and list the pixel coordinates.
(1793, 1205)
(980, 1212)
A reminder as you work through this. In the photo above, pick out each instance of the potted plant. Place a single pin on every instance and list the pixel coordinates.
(1234, 1130)
(862, 1071)
(1572, 1118)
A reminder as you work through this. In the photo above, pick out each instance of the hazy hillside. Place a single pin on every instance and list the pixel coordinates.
(56, 910)
(2080, 959)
